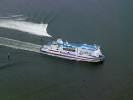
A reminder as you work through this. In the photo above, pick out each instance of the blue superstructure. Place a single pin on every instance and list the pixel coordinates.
(76, 45)
(84, 46)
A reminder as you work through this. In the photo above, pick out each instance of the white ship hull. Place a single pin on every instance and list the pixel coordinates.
(71, 57)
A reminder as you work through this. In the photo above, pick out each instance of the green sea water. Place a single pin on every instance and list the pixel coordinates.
(31, 76)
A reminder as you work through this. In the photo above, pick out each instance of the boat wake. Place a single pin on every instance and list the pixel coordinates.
(16, 44)
(19, 23)
(15, 17)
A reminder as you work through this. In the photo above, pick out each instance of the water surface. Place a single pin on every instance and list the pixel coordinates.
(31, 76)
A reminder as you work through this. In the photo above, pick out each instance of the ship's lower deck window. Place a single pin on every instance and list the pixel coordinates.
(84, 53)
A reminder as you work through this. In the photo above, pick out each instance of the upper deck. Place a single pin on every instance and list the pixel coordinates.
(59, 42)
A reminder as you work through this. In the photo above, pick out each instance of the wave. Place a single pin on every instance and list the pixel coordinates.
(16, 44)
(21, 25)
(15, 17)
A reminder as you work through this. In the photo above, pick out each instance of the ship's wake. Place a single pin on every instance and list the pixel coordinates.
(15, 17)
(16, 44)
(20, 24)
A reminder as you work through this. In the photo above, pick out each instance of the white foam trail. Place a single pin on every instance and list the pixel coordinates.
(5, 17)
(16, 44)
(24, 26)
(15, 17)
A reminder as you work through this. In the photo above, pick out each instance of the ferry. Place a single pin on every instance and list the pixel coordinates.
(73, 51)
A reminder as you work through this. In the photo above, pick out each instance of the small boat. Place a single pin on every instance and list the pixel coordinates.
(73, 51)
